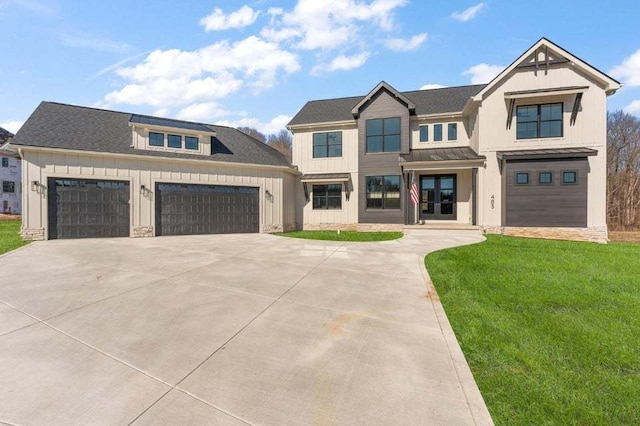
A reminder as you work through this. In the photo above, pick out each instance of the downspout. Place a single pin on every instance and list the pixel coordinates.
(24, 211)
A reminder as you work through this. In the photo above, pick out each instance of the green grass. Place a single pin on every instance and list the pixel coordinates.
(551, 329)
(10, 238)
(343, 235)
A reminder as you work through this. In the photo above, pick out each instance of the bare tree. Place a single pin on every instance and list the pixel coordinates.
(623, 170)
(254, 133)
(281, 141)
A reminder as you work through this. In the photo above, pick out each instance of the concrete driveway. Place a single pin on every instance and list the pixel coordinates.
(230, 330)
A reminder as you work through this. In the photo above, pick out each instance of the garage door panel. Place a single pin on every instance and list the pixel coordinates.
(84, 208)
(555, 204)
(183, 209)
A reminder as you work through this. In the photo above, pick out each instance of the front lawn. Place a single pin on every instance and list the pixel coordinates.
(343, 235)
(10, 238)
(551, 329)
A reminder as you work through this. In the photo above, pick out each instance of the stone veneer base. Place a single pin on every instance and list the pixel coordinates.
(595, 235)
(33, 234)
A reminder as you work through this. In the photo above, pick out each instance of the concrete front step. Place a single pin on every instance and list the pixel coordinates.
(444, 226)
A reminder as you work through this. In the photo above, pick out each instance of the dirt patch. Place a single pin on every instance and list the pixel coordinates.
(624, 236)
(10, 216)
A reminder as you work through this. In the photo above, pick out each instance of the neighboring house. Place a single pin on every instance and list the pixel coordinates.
(522, 155)
(96, 173)
(10, 174)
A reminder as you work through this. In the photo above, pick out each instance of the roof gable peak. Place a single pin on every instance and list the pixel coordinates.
(383, 85)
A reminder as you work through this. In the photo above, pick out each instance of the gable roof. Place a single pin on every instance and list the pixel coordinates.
(610, 84)
(383, 85)
(55, 125)
(5, 135)
(426, 102)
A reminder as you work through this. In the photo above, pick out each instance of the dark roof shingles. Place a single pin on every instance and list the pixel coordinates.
(5, 135)
(54, 125)
(463, 153)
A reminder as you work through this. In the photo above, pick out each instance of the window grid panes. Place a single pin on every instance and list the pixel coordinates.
(437, 132)
(545, 178)
(191, 142)
(569, 177)
(327, 144)
(5, 162)
(424, 133)
(174, 141)
(539, 121)
(8, 186)
(383, 135)
(452, 130)
(327, 197)
(522, 178)
(156, 139)
(383, 192)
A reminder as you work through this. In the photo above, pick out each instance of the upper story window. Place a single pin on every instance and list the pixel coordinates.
(452, 130)
(539, 121)
(424, 133)
(383, 135)
(156, 139)
(5, 162)
(174, 141)
(326, 197)
(327, 144)
(437, 132)
(191, 142)
(383, 192)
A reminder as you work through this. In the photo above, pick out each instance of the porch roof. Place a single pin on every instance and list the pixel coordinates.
(533, 154)
(326, 177)
(462, 154)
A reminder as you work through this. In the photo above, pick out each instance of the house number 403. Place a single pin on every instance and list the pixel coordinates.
(493, 202)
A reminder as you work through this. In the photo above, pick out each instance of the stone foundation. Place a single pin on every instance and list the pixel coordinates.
(272, 229)
(33, 234)
(595, 235)
(142, 232)
(359, 227)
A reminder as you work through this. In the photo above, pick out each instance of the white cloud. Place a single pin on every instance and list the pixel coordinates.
(218, 21)
(330, 24)
(402, 45)
(483, 73)
(432, 86)
(629, 70)
(274, 126)
(204, 112)
(468, 14)
(88, 41)
(12, 125)
(633, 108)
(343, 63)
(170, 78)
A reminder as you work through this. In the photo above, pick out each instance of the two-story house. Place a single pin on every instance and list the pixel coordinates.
(524, 154)
(10, 173)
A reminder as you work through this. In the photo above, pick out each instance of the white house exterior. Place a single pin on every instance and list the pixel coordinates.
(10, 176)
(522, 155)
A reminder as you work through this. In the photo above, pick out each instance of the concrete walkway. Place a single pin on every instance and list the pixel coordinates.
(230, 330)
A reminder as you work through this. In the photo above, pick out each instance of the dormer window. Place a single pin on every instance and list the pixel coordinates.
(191, 142)
(174, 141)
(156, 139)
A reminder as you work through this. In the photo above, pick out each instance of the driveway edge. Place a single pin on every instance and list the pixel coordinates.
(477, 406)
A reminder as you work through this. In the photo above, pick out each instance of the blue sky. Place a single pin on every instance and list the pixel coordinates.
(255, 63)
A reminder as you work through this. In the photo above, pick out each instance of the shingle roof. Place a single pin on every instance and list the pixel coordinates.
(55, 125)
(433, 101)
(5, 135)
(442, 154)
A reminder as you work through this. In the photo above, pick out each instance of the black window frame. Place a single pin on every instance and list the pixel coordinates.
(539, 121)
(6, 184)
(540, 182)
(454, 127)
(322, 142)
(424, 127)
(323, 195)
(383, 134)
(5, 161)
(517, 183)
(437, 132)
(171, 135)
(192, 138)
(575, 173)
(155, 144)
(384, 191)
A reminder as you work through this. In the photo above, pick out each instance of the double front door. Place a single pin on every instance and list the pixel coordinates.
(438, 197)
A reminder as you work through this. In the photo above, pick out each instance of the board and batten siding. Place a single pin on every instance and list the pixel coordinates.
(277, 212)
(381, 105)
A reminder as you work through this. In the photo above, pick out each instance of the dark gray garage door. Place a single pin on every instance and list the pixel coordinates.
(82, 208)
(547, 193)
(206, 209)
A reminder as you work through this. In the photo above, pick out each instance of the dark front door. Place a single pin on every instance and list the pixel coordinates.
(438, 197)
(85, 208)
(183, 209)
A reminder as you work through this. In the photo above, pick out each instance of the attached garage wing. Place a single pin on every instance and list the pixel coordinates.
(546, 192)
(84, 208)
(183, 209)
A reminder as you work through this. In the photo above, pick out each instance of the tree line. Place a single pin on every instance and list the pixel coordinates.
(281, 141)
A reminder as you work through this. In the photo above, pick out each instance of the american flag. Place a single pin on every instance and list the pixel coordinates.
(414, 189)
